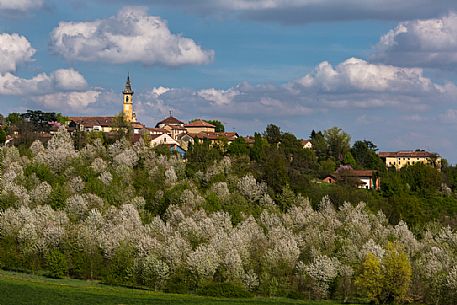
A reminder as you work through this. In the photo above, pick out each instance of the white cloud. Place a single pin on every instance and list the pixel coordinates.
(218, 97)
(59, 90)
(355, 85)
(63, 79)
(131, 36)
(357, 75)
(75, 100)
(69, 79)
(304, 11)
(431, 42)
(20, 5)
(14, 49)
(159, 91)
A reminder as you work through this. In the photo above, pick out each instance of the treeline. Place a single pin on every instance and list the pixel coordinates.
(220, 221)
(416, 194)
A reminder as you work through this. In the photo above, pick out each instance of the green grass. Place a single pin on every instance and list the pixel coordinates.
(19, 288)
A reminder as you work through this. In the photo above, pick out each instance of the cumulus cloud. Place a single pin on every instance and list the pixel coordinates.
(130, 36)
(20, 5)
(430, 42)
(304, 11)
(57, 90)
(218, 97)
(354, 84)
(357, 75)
(75, 100)
(14, 49)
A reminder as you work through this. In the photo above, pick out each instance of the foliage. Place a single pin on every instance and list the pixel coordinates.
(229, 220)
(56, 263)
(219, 125)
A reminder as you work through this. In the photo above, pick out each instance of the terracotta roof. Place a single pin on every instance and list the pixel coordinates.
(157, 130)
(229, 136)
(137, 125)
(304, 142)
(170, 121)
(360, 173)
(91, 121)
(200, 123)
(407, 153)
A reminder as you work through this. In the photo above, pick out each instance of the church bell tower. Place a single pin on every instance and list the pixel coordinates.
(129, 115)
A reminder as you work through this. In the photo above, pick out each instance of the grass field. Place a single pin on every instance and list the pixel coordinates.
(19, 288)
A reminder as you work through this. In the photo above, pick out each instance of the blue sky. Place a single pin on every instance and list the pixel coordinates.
(381, 70)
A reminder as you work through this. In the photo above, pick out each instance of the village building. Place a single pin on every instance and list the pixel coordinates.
(403, 158)
(173, 126)
(306, 144)
(198, 126)
(364, 179)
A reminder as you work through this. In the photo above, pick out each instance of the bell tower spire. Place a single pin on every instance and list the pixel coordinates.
(128, 113)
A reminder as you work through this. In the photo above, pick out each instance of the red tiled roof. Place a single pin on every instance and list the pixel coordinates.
(229, 136)
(157, 130)
(170, 121)
(200, 123)
(304, 142)
(91, 121)
(137, 125)
(407, 153)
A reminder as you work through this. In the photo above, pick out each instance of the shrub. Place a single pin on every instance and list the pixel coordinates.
(56, 264)
(227, 290)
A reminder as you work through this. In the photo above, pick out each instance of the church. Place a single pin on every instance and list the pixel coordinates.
(170, 131)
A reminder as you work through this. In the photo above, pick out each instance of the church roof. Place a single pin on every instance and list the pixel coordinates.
(128, 86)
(170, 121)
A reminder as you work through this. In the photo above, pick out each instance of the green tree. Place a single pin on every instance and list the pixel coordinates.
(122, 127)
(13, 118)
(370, 278)
(421, 178)
(397, 274)
(273, 134)
(238, 147)
(337, 142)
(364, 153)
(2, 136)
(219, 126)
(319, 145)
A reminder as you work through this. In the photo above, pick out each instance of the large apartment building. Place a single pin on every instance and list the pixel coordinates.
(403, 158)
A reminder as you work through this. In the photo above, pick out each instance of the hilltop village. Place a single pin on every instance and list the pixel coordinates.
(179, 137)
(189, 208)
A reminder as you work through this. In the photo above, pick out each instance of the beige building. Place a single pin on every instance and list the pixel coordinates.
(403, 158)
(199, 126)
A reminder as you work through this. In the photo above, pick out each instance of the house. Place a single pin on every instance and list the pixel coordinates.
(198, 126)
(364, 179)
(329, 179)
(185, 140)
(156, 130)
(92, 123)
(173, 126)
(403, 158)
(216, 137)
(155, 139)
(306, 144)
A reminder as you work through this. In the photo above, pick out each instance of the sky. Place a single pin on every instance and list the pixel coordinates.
(382, 70)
